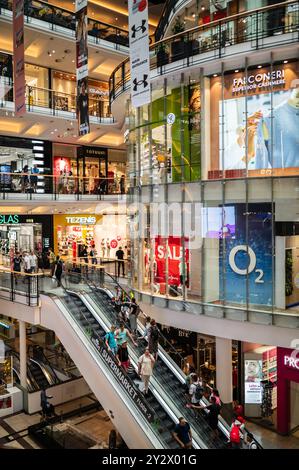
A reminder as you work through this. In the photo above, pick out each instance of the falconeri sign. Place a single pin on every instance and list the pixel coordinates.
(139, 52)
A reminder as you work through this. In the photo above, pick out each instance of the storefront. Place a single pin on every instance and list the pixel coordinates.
(22, 156)
(271, 386)
(24, 233)
(105, 233)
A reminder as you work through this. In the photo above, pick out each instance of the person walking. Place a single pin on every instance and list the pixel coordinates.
(110, 340)
(47, 408)
(27, 265)
(120, 261)
(34, 177)
(153, 339)
(145, 368)
(58, 270)
(122, 335)
(17, 265)
(52, 261)
(123, 356)
(33, 262)
(40, 262)
(182, 434)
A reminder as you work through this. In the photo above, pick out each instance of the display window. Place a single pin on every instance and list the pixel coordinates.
(37, 81)
(254, 122)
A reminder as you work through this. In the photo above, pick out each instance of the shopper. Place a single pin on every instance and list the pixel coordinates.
(110, 340)
(153, 339)
(17, 265)
(120, 261)
(122, 335)
(146, 328)
(58, 270)
(47, 408)
(133, 315)
(92, 255)
(145, 368)
(122, 184)
(34, 178)
(25, 179)
(195, 390)
(40, 262)
(182, 434)
(215, 394)
(27, 264)
(123, 356)
(238, 409)
(235, 436)
(52, 261)
(188, 382)
(250, 443)
(212, 418)
(33, 262)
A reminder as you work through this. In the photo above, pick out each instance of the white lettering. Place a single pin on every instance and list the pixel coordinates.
(291, 362)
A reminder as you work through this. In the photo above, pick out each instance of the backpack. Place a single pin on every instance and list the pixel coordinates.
(235, 434)
(198, 392)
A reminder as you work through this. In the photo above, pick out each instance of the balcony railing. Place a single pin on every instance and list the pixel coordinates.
(63, 186)
(213, 40)
(58, 102)
(62, 17)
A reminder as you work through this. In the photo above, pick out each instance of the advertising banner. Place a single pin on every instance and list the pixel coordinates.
(18, 51)
(245, 256)
(257, 112)
(178, 273)
(139, 52)
(253, 377)
(82, 67)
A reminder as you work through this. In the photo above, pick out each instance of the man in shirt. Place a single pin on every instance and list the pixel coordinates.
(192, 389)
(120, 261)
(182, 434)
(33, 262)
(52, 261)
(110, 340)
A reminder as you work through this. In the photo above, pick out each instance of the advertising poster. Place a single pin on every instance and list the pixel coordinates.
(253, 377)
(82, 67)
(194, 130)
(245, 257)
(178, 272)
(18, 51)
(272, 136)
(139, 52)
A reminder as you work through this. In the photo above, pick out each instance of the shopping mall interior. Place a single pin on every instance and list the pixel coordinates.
(149, 224)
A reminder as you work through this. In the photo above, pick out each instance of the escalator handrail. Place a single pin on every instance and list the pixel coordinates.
(29, 374)
(45, 361)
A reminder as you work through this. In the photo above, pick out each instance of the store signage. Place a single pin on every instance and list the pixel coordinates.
(94, 152)
(98, 91)
(82, 67)
(9, 219)
(18, 57)
(253, 376)
(258, 80)
(170, 118)
(251, 266)
(139, 52)
(81, 220)
(178, 269)
(291, 361)
(119, 374)
(113, 243)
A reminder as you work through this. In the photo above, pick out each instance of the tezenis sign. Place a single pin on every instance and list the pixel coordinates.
(9, 219)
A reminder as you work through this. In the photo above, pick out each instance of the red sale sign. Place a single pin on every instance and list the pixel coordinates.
(171, 248)
(113, 243)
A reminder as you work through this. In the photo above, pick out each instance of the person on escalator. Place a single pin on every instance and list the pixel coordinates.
(145, 368)
(212, 418)
(111, 341)
(123, 356)
(122, 335)
(195, 390)
(182, 434)
(133, 315)
(153, 339)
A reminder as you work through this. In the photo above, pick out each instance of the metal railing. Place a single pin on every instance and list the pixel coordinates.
(20, 287)
(35, 185)
(253, 27)
(62, 17)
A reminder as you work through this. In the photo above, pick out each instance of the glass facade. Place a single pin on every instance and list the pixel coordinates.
(213, 168)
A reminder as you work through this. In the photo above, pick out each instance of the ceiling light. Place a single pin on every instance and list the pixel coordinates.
(55, 130)
(259, 66)
(203, 8)
(215, 75)
(53, 52)
(285, 61)
(73, 61)
(237, 70)
(116, 19)
(193, 15)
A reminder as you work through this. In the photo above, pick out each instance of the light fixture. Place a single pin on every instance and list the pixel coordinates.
(193, 15)
(237, 70)
(215, 75)
(285, 61)
(73, 61)
(53, 52)
(259, 66)
(203, 8)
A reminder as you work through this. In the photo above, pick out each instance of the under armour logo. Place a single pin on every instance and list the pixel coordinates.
(140, 82)
(142, 27)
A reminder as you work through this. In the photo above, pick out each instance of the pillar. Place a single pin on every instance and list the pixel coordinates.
(224, 381)
(23, 353)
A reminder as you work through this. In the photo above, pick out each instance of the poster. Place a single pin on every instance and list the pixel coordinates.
(253, 377)
(82, 67)
(139, 52)
(257, 120)
(178, 271)
(245, 257)
(18, 51)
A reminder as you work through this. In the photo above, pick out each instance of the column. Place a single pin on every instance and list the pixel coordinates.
(23, 353)
(224, 369)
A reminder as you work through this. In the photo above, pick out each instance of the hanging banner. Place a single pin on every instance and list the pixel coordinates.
(139, 52)
(82, 67)
(18, 51)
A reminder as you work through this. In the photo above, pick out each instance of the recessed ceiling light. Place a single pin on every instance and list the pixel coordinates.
(53, 52)
(259, 66)
(285, 61)
(116, 19)
(237, 70)
(203, 8)
(55, 130)
(215, 75)
(193, 15)
(73, 61)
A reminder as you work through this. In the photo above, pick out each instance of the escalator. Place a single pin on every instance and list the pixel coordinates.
(41, 377)
(167, 384)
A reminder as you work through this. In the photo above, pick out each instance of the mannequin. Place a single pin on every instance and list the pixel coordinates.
(108, 248)
(103, 247)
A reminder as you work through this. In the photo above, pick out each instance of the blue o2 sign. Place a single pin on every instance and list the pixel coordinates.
(9, 219)
(245, 257)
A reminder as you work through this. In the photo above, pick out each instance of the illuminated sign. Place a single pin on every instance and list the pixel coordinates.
(253, 376)
(81, 220)
(291, 361)
(259, 80)
(9, 219)
(252, 263)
